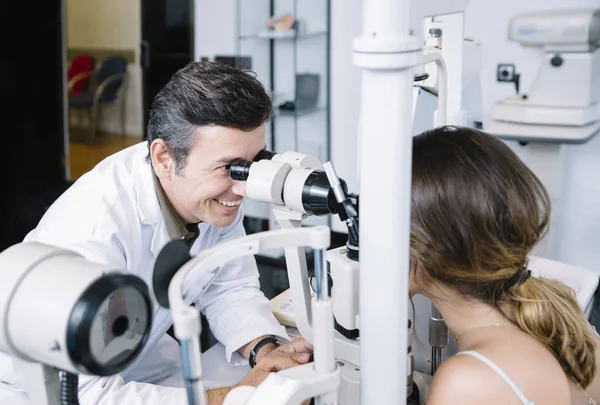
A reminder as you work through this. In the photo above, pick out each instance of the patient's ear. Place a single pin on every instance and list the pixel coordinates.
(413, 277)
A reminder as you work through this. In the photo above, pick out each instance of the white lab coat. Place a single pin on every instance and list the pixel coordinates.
(112, 215)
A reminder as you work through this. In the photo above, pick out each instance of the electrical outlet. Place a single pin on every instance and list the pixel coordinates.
(506, 72)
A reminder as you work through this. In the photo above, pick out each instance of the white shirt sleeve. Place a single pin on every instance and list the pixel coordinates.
(237, 310)
(114, 391)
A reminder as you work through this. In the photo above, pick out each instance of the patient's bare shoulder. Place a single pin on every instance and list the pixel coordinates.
(466, 380)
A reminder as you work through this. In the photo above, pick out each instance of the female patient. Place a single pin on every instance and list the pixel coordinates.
(477, 212)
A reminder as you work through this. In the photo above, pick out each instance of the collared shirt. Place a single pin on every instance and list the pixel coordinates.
(175, 226)
(113, 216)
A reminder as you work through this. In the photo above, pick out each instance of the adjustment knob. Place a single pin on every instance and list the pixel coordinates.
(556, 61)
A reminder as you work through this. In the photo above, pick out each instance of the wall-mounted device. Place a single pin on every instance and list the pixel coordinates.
(563, 104)
(507, 73)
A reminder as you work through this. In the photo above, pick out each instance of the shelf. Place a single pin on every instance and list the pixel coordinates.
(280, 57)
(279, 98)
(299, 113)
(284, 35)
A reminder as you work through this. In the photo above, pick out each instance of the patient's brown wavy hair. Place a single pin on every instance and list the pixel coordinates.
(477, 212)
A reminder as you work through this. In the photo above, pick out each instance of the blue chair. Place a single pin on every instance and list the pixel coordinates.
(110, 86)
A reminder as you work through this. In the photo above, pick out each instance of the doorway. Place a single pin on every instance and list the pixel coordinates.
(103, 80)
(120, 53)
(167, 44)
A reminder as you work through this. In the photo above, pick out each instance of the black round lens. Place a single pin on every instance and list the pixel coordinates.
(119, 326)
(240, 169)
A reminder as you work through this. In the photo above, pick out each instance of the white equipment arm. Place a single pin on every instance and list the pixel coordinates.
(387, 54)
(318, 379)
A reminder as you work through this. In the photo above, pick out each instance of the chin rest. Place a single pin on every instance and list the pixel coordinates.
(583, 281)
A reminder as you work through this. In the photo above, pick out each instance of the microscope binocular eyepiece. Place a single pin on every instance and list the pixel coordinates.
(239, 169)
(284, 180)
(264, 155)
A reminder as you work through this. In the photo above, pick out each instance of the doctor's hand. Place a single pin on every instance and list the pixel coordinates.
(285, 356)
(299, 349)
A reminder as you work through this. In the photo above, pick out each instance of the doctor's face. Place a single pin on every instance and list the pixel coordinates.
(203, 190)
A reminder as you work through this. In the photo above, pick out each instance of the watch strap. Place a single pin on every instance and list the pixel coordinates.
(264, 341)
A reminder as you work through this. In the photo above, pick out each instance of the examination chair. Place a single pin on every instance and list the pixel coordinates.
(110, 86)
(583, 281)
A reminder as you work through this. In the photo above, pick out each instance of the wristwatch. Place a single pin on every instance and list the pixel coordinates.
(264, 341)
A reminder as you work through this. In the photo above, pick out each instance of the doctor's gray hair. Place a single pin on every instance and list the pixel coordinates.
(205, 94)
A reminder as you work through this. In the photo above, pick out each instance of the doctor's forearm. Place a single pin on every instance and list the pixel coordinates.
(266, 349)
(217, 395)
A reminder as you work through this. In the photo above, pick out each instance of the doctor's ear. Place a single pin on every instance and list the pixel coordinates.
(162, 161)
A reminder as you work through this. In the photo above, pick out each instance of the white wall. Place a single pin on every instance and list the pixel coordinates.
(346, 23)
(103, 24)
(578, 218)
(215, 28)
(487, 22)
(223, 29)
(578, 223)
(110, 24)
(216, 32)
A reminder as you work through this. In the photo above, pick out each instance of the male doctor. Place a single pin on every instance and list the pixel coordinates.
(177, 186)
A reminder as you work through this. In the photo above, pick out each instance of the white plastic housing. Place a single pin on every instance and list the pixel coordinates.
(317, 237)
(265, 181)
(344, 293)
(386, 55)
(564, 30)
(514, 110)
(297, 159)
(323, 335)
(290, 387)
(555, 99)
(187, 327)
(432, 8)
(15, 262)
(40, 286)
(295, 258)
(551, 88)
(294, 185)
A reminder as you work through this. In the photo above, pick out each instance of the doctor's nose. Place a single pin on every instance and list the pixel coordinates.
(239, 188)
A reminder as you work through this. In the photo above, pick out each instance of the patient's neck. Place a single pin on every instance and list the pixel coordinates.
(463, 315)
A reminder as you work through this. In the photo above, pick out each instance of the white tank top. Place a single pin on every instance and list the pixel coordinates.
(506, 378)
(501, 373)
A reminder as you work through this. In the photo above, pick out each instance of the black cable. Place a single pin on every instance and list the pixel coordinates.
(431, 90)
(69, 385)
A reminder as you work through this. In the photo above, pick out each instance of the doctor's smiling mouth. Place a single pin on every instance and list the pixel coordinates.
(229, 205)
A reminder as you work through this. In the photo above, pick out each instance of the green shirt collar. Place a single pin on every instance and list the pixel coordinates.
(175, 226)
